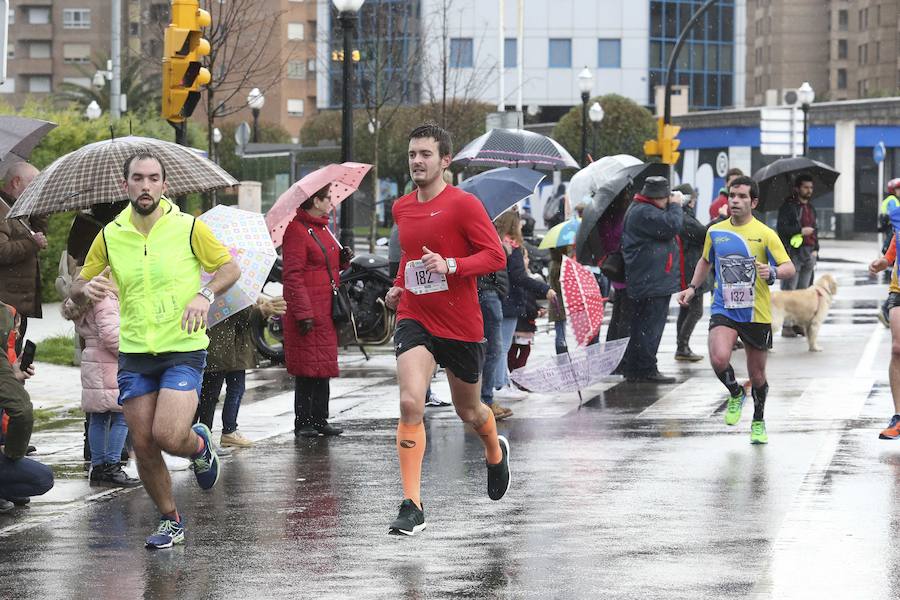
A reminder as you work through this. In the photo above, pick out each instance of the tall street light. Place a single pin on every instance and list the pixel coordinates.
(347, 10)
(805, 96)
(596, 115)
(256, 101)
(585, 83)
(216, 138)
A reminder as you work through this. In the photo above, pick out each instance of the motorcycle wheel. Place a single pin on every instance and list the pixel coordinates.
(268, 336)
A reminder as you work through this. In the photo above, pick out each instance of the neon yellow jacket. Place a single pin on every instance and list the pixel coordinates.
(157, 275)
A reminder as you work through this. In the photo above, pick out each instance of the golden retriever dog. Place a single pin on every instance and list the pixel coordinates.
(806, 308)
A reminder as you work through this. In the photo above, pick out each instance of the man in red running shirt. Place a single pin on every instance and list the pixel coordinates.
(447, 240)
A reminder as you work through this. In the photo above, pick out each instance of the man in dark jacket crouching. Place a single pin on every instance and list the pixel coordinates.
(652, 272)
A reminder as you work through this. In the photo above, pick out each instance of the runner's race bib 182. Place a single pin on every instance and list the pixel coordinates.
(738, 279)
(420, 281)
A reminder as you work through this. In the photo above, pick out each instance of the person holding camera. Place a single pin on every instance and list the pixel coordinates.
(313, 260)
(652, 274)
(20, 477)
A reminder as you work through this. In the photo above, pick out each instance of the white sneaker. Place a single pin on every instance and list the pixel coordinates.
(508, 392)
(435, 400)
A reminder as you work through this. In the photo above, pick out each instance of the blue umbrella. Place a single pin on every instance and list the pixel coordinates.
(498, 189)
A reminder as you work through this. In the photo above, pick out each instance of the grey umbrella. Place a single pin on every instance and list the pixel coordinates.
(93, 175)
(18, 137)
(599, 186)
(515, 148)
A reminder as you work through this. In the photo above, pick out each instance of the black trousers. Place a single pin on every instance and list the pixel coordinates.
(688, 316)
(311, 396)
(620, 322)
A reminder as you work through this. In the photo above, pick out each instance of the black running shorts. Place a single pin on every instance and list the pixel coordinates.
(755, 335)
(893, 300)
(463, 359)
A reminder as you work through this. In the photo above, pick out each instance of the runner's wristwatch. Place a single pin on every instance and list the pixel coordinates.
(451, 266)
(208, 294)
(772, 277)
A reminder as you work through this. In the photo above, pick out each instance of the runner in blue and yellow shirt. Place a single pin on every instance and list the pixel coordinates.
(748, 257)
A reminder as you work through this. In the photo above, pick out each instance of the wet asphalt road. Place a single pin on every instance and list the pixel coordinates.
(644, 492)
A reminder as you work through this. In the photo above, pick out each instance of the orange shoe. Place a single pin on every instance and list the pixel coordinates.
(893, 429)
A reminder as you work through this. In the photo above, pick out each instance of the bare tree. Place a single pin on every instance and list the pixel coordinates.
(389, 78)
(457, 87)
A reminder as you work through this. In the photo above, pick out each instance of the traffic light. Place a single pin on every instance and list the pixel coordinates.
(183, 49)
(670, 144)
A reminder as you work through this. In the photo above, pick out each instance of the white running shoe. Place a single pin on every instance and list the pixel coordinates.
(508, 392)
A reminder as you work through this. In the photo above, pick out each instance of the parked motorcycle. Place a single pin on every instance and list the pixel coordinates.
(366, 281)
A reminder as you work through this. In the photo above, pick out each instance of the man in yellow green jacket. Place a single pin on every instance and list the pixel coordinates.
(150, 256)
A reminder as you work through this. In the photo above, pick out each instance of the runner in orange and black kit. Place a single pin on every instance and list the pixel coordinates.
(447, 241)
(892, 431)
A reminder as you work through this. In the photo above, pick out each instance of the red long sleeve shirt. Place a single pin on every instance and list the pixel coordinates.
(453, 224)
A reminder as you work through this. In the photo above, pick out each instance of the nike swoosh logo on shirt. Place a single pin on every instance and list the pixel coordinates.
(436, 212)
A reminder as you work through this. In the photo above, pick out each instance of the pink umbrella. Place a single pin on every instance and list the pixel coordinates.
(344, 179)
(583, 300)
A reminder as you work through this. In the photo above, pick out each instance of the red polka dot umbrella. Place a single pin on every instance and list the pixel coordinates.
(344, 179)
(583, 300)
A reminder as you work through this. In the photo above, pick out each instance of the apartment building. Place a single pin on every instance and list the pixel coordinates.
(846, 49)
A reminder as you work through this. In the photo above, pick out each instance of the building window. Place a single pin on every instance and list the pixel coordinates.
(510, 57)
(296, 69)
(134, 29)
(609, 54)
(84, 82)
(842, 79)
(11, 16)
(39, 84)
(38, 16)
(842, 49)
(11, 50)
(461, 53)
(76, 53)
(77, 18)
(8, 86)
(295, 107)
(39, 50)
(843, 20)
(295, 31)
(560, 54)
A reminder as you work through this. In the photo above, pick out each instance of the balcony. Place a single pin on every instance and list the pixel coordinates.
(27, 31)
(32, 66)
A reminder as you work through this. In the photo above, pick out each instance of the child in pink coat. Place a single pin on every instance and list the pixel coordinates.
(98, 325)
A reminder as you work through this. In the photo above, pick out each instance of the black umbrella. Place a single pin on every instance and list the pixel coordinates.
(776, 180)
(515, 148)
(606, 190)
(18, 137)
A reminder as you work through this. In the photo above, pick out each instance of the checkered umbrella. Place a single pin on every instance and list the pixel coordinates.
(515, 148)
(93, 175)
(245, 235)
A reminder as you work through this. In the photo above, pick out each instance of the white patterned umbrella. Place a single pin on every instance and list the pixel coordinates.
(247, 238)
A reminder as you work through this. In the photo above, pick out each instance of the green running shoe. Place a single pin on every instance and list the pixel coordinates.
(735, 404)
(758, 433)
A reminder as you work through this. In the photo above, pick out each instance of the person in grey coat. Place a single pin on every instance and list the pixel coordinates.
(652, 274)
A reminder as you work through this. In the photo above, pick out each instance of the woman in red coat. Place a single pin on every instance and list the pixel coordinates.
(310, 339)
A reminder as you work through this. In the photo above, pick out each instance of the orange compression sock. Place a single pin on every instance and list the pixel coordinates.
(411, 450)
(488, 433)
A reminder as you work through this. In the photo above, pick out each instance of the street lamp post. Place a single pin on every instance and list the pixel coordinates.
(347, 10)
(596, 115)
(256, 101)
(93, 111)
(585, 83)
(805, 95)
(216, 138)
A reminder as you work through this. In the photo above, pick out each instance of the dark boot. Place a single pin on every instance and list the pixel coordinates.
(303, 399)
(117, 476)
(326, 429)
(307, 431)
(98, 475)
(685, 354)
